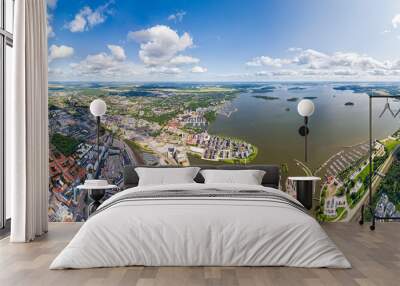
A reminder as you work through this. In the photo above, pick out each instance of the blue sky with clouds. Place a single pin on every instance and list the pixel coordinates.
(208, 40)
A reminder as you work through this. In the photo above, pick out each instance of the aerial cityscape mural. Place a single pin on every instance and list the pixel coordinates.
(180, 91)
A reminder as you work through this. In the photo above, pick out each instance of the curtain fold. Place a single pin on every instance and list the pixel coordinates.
(27, 122)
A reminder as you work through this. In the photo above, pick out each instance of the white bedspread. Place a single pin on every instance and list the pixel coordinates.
(200, 231)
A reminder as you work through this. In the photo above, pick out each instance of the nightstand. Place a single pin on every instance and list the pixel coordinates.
(96, 191)
(305, 187)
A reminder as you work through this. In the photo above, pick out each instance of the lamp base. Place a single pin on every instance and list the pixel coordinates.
(304, 130)
(96, 195)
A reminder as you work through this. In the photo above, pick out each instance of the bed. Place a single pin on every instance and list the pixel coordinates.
(199, 224)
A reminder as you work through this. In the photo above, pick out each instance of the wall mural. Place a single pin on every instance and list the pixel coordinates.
(160, 113)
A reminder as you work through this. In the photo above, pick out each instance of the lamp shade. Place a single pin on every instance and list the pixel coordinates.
(305, 107)
(98, 107)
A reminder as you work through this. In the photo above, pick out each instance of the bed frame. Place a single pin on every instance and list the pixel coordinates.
(271, 177)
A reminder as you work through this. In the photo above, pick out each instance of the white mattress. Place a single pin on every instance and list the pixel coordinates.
(200, 231)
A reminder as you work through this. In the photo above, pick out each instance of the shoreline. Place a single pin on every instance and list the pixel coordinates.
(353, 205)
(352, 146)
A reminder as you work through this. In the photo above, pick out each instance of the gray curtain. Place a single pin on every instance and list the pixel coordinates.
(27, 144)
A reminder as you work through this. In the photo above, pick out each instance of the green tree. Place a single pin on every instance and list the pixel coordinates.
(65, 144)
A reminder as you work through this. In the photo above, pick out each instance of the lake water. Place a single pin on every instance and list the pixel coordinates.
(267, 124)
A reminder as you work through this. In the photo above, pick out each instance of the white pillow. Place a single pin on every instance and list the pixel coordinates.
(166, 176)
(248, 177)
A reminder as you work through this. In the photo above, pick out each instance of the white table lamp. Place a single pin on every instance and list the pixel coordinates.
(98, 108)
(305, 108)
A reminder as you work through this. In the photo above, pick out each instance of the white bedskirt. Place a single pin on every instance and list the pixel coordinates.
(200, 232)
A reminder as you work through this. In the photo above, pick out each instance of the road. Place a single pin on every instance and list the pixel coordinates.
(352, 213)
(133, 154)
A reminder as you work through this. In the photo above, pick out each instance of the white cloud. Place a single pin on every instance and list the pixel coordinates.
(311, 72)
(96, 63)
(395, 65)
(378, 72)
(267, 61)
(354, 60)
(114, 65)
(161, 51)
(165, 70)
(396, 21)
(160, 44)
(79, 22)
(345, 72)
(312, 58)
(117, 52)
(96, 17)
(309, 62)
(55, 72)
(52, 4)
(50, 31)
(60, 52)
(284, 73)
(384, 73)
(198, 69)
(106, 66)
(177, 17)
(262, 73)
(183, 60)
(87, 18)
